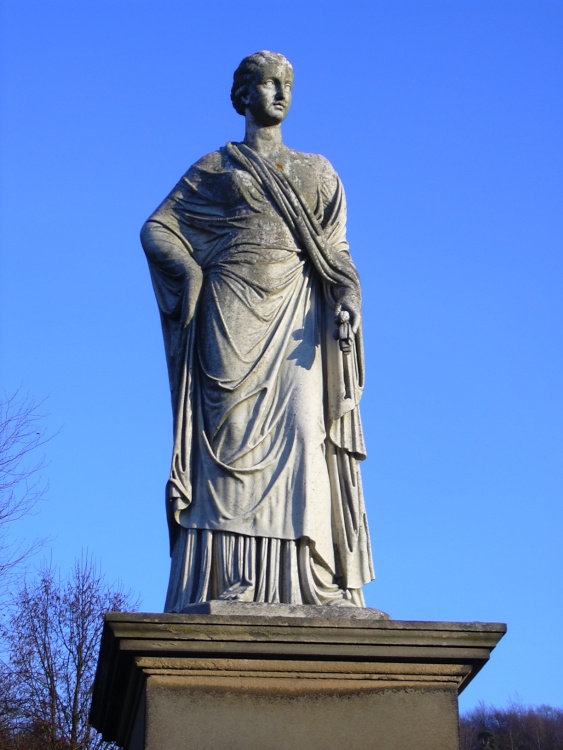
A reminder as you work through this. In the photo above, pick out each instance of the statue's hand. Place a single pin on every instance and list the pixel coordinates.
(172, 258)
(352, 305)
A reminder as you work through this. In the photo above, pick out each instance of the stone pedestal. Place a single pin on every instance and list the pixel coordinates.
(267, 677)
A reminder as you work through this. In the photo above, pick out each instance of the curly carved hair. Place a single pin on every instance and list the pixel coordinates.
(249, 70)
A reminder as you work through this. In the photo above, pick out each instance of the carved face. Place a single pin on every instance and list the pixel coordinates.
(269, 96)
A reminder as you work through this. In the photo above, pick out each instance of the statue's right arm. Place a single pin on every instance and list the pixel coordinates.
(170, 256)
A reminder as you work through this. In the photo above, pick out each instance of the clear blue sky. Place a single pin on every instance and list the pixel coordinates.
(445, 122)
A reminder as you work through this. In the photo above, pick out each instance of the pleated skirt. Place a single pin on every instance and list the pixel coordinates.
(209, 565)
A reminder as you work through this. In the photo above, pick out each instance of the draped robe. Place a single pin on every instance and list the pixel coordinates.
(264, 499)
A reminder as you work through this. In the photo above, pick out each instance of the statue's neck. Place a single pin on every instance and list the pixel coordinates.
(264, 139)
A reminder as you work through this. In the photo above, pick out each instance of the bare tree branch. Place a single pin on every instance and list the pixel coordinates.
(53, 637)
(516, 727)
(21, 484)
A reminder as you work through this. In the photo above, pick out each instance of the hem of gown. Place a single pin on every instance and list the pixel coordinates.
(208, 565)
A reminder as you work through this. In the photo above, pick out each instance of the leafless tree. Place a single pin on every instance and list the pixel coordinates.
(21, 482)
(516, 727)
(52, 639)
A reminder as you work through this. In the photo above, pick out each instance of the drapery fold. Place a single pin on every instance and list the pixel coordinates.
(267, 442)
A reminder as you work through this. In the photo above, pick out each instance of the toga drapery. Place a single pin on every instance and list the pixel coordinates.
(264, 499)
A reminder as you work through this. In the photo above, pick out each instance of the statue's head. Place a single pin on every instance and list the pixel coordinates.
(254, 69)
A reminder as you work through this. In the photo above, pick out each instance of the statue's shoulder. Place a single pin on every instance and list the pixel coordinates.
(316, 165)
(213, 162)
(207, 172)
(319, 163)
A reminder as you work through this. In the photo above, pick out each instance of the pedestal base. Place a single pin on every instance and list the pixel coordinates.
(235, 678)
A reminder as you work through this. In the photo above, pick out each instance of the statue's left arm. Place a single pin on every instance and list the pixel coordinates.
(346, 293)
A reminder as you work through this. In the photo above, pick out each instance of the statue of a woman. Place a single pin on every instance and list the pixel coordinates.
(250, 266)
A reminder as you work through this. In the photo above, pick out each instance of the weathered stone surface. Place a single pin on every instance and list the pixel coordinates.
(259, 609)
(234, 720)
(248, 681)
(253, 278)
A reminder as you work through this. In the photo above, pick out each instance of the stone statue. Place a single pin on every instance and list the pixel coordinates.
(260, 309)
